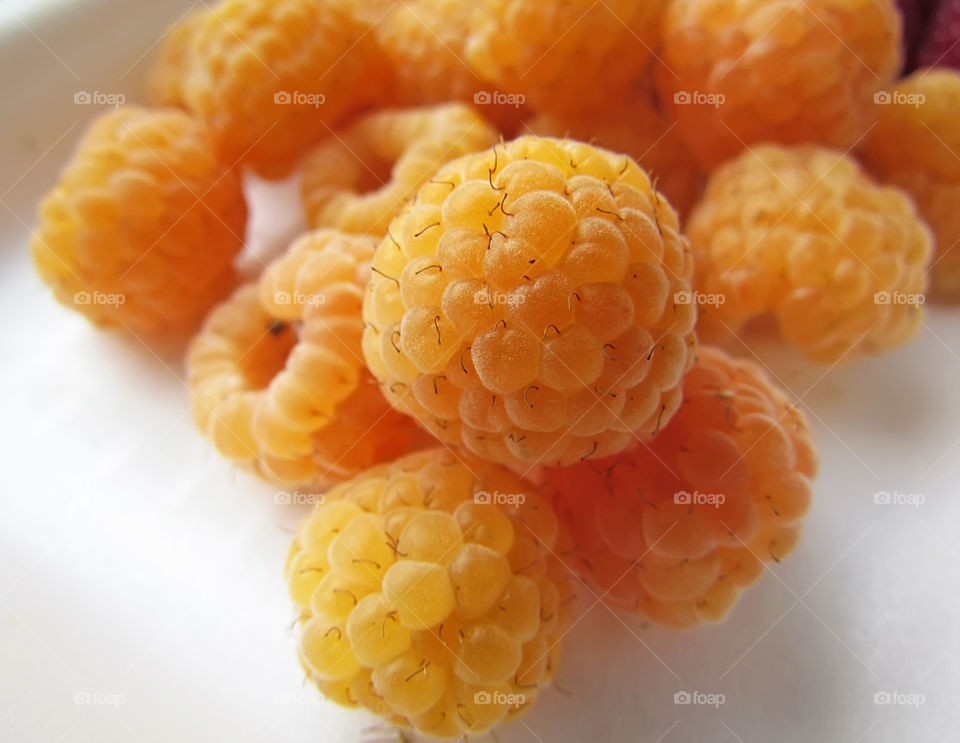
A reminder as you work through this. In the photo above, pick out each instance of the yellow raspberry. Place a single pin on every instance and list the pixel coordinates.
(428, 593)
(166, 78)
(143, 227)
(359, 179)
(914, 146)
(677, 529)
(277, 372)
(524, 304)
(803, 235)
(566, 58)
(639, 130)
(271, 77)
(739, 72)
(423, 42)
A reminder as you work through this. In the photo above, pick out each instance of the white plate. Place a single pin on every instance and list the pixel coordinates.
(141, 596)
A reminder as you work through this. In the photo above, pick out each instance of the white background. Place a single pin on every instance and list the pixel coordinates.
(140, 573)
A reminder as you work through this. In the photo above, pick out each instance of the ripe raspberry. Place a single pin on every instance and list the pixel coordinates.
(640, 131)
(523, 305)
(425, 600)
(277, 373)
(914, 146)
(675, 529)
(777, 71)
(941, 45)
(270, 77)
(423, 43)
(358, 180)
(570, 58)
(143, 227)
(166, 79)
(803, 235)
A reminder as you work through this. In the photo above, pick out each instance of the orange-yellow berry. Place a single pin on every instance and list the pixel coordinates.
(166, 79)
(423, 41)
(143, 227)
(803, 235)
(270, 78)
(676, 529)
(277, 373)
(428, 588)
(571, 58)
(359, 179)
(525, 304)
(740, 72)
(914, 146)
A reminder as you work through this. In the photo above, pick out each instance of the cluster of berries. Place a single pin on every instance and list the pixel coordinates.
(486, 354)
